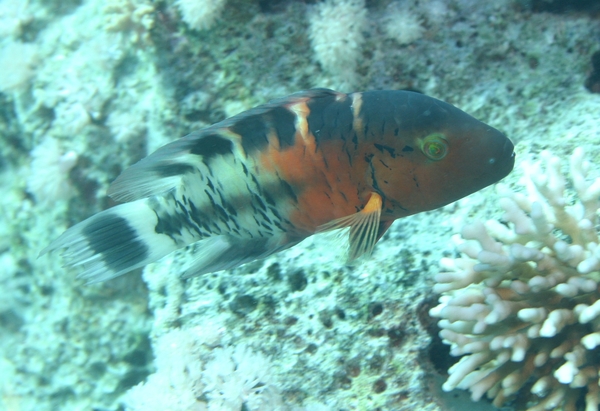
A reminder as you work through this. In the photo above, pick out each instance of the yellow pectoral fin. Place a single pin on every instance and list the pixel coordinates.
(364, 227)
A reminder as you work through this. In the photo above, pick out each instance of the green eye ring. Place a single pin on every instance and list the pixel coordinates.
(434, 146)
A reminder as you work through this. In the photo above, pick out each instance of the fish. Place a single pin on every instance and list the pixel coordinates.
(264, 180)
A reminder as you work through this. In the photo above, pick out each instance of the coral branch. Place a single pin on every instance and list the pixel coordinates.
(522, 302)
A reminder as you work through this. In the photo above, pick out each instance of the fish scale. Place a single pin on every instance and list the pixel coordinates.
(267, 178)
(230, 201)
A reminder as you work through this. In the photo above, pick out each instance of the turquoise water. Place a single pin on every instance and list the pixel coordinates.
(88, 88)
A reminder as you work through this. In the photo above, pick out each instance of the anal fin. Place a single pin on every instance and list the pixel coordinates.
(226, 252)
(365, 227)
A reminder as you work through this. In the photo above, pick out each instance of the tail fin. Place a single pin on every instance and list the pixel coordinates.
(113, 242)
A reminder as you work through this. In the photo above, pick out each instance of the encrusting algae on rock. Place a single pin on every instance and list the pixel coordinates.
(265, 179)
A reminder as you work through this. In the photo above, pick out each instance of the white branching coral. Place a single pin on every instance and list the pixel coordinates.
(18, 61)
(200, 14)
(402, 25)
(237, 378)
(48, 178)
(177, 382)
(193, 375)
(336, 34)
(522, 303)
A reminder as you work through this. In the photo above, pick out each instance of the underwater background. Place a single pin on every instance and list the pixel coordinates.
(89, 87)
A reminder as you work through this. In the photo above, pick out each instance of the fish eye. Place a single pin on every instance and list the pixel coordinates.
(434, 146)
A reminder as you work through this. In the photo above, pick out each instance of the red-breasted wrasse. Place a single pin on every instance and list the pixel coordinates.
(266, 179)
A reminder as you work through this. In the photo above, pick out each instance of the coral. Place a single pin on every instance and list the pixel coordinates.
(128, 14)
(336, 33)
(437, 11)
(78, 84)
(402, 25)
(237, 378)
(17, 61)
(135, 17)
(14, 14)
(8, 400)
(230, 378)
(522, 303)
(165, 298)
(200, 14)
(85, 55)
(177, 383)
(48, 179)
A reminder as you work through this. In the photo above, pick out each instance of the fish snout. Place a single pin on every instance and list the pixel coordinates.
(499, 158)
(506, 157)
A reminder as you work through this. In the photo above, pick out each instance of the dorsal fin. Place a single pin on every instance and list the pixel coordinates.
(164, 169)
(305, 94)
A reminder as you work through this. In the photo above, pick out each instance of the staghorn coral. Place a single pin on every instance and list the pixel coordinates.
(522, 303)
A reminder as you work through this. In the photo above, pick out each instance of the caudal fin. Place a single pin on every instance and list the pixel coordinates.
(113, 242)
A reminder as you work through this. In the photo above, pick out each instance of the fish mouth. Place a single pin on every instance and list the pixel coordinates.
(507, 159)
(500, 165)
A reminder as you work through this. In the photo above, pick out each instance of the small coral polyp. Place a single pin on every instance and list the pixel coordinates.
(521, 305)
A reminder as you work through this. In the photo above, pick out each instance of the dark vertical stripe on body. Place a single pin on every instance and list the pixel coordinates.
(253, 130)
(210, 146)
(330, 118)
(377, 112)
(283, 122)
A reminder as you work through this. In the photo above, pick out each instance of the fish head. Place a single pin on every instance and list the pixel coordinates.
(440, 154)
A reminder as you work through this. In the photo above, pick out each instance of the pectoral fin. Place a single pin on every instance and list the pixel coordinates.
(365, 228)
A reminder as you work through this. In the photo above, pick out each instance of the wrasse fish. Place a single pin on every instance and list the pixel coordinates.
(265, 179)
